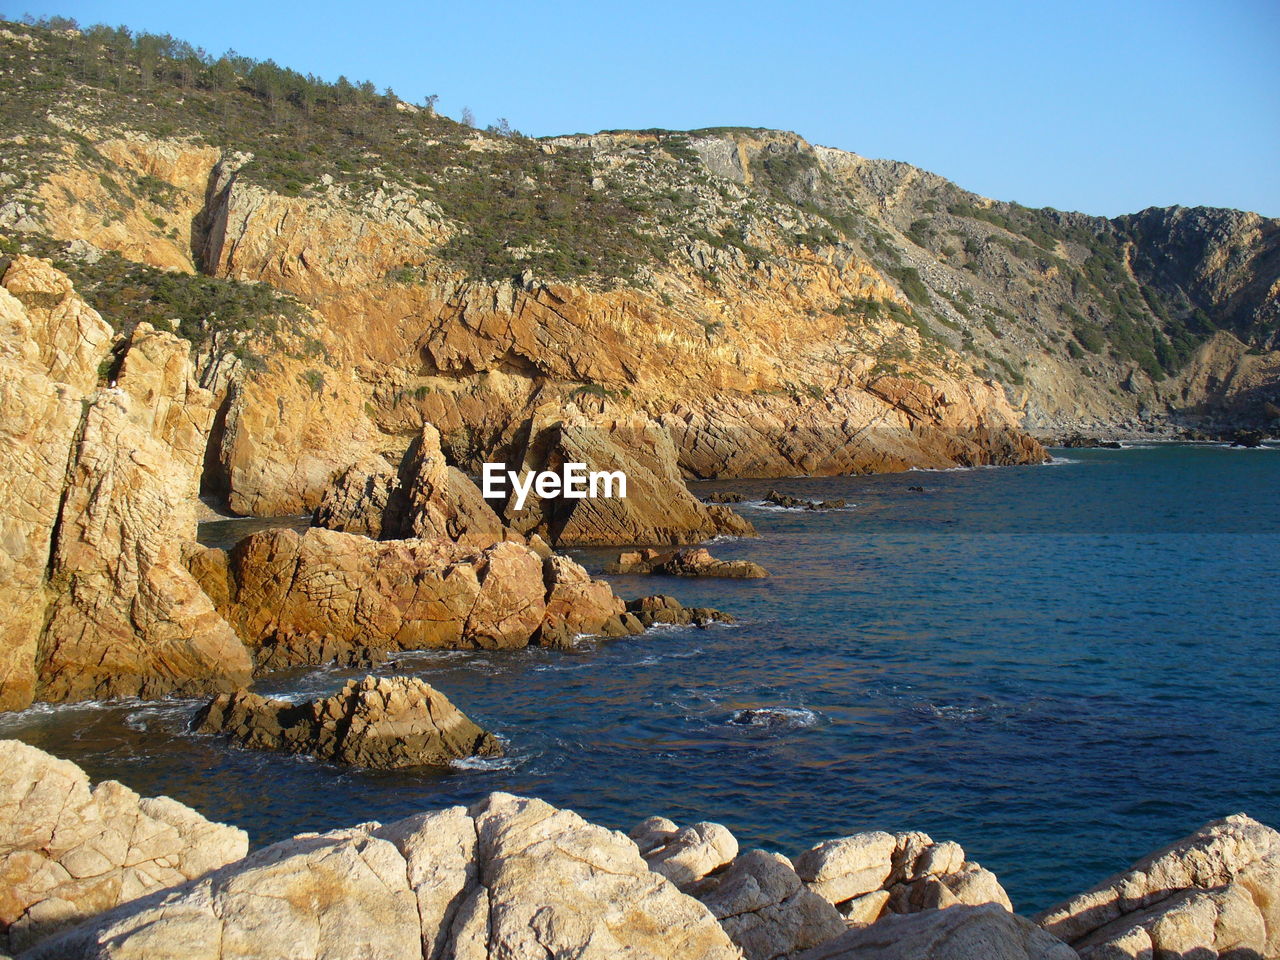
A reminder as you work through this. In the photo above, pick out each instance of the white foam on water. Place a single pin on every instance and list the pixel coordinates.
(775, 717)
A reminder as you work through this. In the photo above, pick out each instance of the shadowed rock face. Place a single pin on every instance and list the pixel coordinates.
(1213, 893)
(695, 562)
(383, 723)
(68, 851)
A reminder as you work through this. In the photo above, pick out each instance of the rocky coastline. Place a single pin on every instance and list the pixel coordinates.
(99, 872)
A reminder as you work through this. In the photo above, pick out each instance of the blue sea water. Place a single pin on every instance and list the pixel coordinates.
(1061, 667)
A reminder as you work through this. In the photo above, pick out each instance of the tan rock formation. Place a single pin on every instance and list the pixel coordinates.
(1213, 893)
(99, 490)
(126, 617)
(766, 909)
(383, 723)
(69, 852)
(664, 609)
(986, 932)
(508, 878)
(433, 500)
(327, 596)
(869, 875)
(684, 855)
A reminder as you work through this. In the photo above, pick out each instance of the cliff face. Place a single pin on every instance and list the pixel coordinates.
(717, 303)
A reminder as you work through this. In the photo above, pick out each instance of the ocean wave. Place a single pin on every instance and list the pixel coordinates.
(773, 718)
(489, 764)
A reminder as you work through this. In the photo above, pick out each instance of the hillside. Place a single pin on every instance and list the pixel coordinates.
(348, 267)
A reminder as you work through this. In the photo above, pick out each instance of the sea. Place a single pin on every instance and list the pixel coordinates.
(1062, 667)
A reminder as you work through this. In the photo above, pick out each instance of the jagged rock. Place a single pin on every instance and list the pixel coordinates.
(383, 723)
(1213, 893)
(426, 498)
(657, 507)
(664, 609)
(870, 874)
(986, 932)
(508, 878)
(722, 497)
(577, 604)
(100, 490)
(693, 562)
(795, 503)
(68, 852)
(325, 596)
(684, 855)
(766, 909)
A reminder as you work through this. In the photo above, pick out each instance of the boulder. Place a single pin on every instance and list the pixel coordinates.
(1213, 893)
(69, 851)
(383, 723)
(871, 874)
(766, 909)
(795, 503)
(661, 608)
(507, 878)
(684, 855)
(987, 932)
(691, 562)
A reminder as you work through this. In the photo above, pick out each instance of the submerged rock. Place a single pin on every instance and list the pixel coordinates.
(383, 723)
(1214, 893)
(693, 562)
(69, 852)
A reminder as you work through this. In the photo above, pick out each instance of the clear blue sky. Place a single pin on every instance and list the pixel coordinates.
(1105, 107)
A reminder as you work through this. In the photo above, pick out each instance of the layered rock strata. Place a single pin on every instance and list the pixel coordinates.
(382, 723)
(69, 851)
(99, 486)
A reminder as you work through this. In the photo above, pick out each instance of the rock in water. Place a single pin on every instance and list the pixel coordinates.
(384, 723)
(68, 852)
(1215, 893)
(693, 562)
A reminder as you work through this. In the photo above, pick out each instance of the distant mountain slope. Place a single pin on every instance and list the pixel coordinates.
(775, 306)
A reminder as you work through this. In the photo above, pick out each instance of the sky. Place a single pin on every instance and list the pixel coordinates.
(1102, 107)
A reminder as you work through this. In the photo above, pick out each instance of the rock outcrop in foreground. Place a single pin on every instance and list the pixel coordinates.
(384, 723)
(512, 878)
(1215, 893)
(68, 852)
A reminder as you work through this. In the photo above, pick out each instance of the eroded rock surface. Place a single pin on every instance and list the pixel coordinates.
(871, 874)
(99, 487)
(986, 932)
(661, 608)
(384, 723)
(69, 851)
(1214, 893)
(508, 878)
